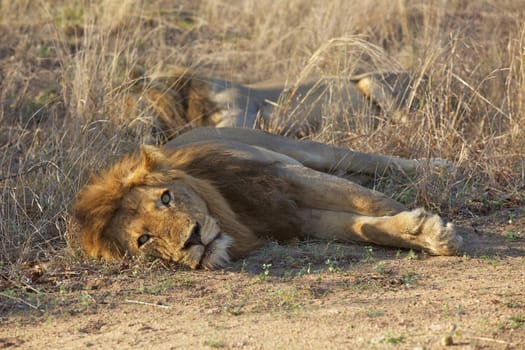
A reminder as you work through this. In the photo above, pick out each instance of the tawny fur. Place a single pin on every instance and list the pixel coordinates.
(226, 197)
(181, 99)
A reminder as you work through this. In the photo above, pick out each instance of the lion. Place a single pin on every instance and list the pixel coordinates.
(181, 99)
(214, 195)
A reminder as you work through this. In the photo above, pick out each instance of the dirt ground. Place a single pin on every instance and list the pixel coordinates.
(314, 295)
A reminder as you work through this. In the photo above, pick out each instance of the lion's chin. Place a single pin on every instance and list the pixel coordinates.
(215, 253)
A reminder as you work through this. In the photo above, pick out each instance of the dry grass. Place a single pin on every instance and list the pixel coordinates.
(63, 69)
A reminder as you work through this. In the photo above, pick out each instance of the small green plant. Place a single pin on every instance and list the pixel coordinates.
(237, 310)
(305, 270)
(368, 256)
(381, 269)
(410, 278)
(216, 344)
(266, 269)
(513, 304)
(62, 287)
(86, 299)
(492, 203)
(492, 260)
(286, 299)
(516, 322)
(512, 235)
(332, 265)
(185, 280)
(44, 51)
(375, 313)
(265, 274)
(394, 339)
(412, 255)
(491, 232)
(159, 288)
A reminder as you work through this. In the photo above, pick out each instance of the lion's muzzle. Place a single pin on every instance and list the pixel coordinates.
(194, 236)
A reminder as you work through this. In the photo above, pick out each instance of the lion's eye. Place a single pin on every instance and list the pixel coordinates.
(143, 239)
(165, 198)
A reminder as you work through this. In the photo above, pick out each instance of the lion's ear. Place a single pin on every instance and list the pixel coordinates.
(151, 157)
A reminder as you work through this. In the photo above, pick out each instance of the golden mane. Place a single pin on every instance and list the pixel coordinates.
(99, 201)
(179, 99)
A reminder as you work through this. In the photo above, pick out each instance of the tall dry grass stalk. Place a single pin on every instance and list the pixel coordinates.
(64, 70)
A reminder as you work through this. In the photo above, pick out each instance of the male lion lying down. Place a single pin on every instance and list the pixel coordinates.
(212, 195)
(180, 99)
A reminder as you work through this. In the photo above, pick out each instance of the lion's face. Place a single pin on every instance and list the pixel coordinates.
(141, 206)
(145, 205)
(172, 223)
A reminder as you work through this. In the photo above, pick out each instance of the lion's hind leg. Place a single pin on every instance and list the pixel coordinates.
(416, 229)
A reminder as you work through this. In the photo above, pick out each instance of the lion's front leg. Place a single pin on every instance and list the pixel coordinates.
(416, 229)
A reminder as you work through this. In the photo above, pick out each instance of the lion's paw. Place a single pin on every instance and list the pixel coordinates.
(429, 232)
(410, 222)
(439, 238)
(436, 165)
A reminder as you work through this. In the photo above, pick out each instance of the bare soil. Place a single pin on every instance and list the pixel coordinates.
(303, 295)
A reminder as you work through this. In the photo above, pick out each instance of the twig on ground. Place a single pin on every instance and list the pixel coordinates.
(489, 339)
(145, 303)
(20, 300)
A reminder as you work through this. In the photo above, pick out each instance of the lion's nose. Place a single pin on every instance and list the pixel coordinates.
(194, 238)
